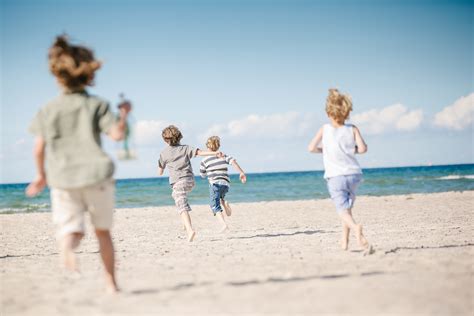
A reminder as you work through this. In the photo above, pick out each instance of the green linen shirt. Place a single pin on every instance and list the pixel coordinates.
(71, 125)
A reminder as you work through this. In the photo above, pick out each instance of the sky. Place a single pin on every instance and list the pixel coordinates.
(255, 73)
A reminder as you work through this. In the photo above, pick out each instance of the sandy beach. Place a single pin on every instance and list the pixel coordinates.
(280, 258)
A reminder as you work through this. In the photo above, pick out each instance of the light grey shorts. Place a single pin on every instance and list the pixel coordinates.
(69, 207)
(342, 190)
(180, 193)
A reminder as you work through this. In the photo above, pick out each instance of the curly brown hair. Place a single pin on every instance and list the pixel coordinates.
(338, 105)
(172, 135)
(213, 143)
(74, 66)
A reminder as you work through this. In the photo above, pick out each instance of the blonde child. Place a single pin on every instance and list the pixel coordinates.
(78, 171)
(215, 169)
(177, 158)
(340, 142)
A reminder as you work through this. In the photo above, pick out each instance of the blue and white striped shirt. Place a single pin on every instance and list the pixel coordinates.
(215, 169)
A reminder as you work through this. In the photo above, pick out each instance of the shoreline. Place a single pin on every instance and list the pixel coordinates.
(244, 203)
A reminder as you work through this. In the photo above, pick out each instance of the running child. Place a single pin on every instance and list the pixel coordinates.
(78, 172)
(340, 143)
(215, 169)
(177, 158)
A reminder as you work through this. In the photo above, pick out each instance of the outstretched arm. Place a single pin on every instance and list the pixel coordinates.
(313, 146)
(35, 187)
(361, 146)
(243, 177)
(200, 152)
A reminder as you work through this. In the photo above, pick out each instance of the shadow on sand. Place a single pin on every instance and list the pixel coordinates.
(185, 286)
(394, 250)
(306, 232)
(307, 278)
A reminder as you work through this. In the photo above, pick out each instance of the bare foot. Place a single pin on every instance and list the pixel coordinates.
(345, 243)
(111, 288)
(191, 236)
(227, 208)
(369, 250)
(363, 243)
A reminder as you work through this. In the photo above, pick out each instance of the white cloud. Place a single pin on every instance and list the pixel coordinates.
(273, 126)
(393, 117)
(458, 115)
(148, 132)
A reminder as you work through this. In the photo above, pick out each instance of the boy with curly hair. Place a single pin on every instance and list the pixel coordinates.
(215, 169)
(177, 158)
(340, 143)
(78, 172)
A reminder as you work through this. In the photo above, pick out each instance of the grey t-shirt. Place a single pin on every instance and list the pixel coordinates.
(71, 125)
(178, 160)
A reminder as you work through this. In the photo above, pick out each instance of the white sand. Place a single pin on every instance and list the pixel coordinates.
(281, 258)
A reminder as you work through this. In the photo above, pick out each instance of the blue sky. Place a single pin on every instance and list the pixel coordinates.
(254, 72)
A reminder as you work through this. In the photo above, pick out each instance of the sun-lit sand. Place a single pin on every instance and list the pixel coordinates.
(279, 258)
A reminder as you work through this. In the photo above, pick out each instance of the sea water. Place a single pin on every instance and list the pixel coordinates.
(277, 186)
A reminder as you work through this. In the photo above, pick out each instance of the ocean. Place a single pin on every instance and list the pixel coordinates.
(274, 186)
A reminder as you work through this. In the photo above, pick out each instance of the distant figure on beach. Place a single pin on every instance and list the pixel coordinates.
(340, 143)
(78, 171)
(177, 158)
(215, 169)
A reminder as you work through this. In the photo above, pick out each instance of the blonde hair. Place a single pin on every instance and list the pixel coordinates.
(213, 143)
(338, 105)
(74, 66)
(172, 135)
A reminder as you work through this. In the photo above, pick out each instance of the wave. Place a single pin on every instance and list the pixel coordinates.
(456, 177)
(29, 208)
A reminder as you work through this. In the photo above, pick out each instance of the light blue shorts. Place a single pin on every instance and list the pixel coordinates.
(342, 190)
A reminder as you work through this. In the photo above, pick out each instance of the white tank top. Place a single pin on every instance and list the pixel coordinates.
(339, 151)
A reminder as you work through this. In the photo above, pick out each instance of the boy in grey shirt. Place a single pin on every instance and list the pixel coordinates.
(177, 158)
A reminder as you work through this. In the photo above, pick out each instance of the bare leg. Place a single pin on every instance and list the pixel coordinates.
(220, 216)
(187, 223)
(346, 217)
(108, 258)
(345, 233)
(67, 246)
(227, 208)
(345, 236)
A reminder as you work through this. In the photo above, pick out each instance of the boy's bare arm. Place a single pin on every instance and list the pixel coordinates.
(39, 183)
(313, 146)
(117, 132)
(160, 171)
(360, 143)
(243, 177)
(200, 152)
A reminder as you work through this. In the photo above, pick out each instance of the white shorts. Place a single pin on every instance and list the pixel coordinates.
(70, 205)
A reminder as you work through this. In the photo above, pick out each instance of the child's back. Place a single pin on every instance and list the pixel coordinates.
(216, 170)
(177, 159)
(339, 147)
(71, 125)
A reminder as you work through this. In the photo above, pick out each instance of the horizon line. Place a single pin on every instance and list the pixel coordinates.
(287, 171)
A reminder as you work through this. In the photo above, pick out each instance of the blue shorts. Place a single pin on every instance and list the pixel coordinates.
(217, 192)
(342, 190)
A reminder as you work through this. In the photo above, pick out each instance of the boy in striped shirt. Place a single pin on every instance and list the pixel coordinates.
(215, 169)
